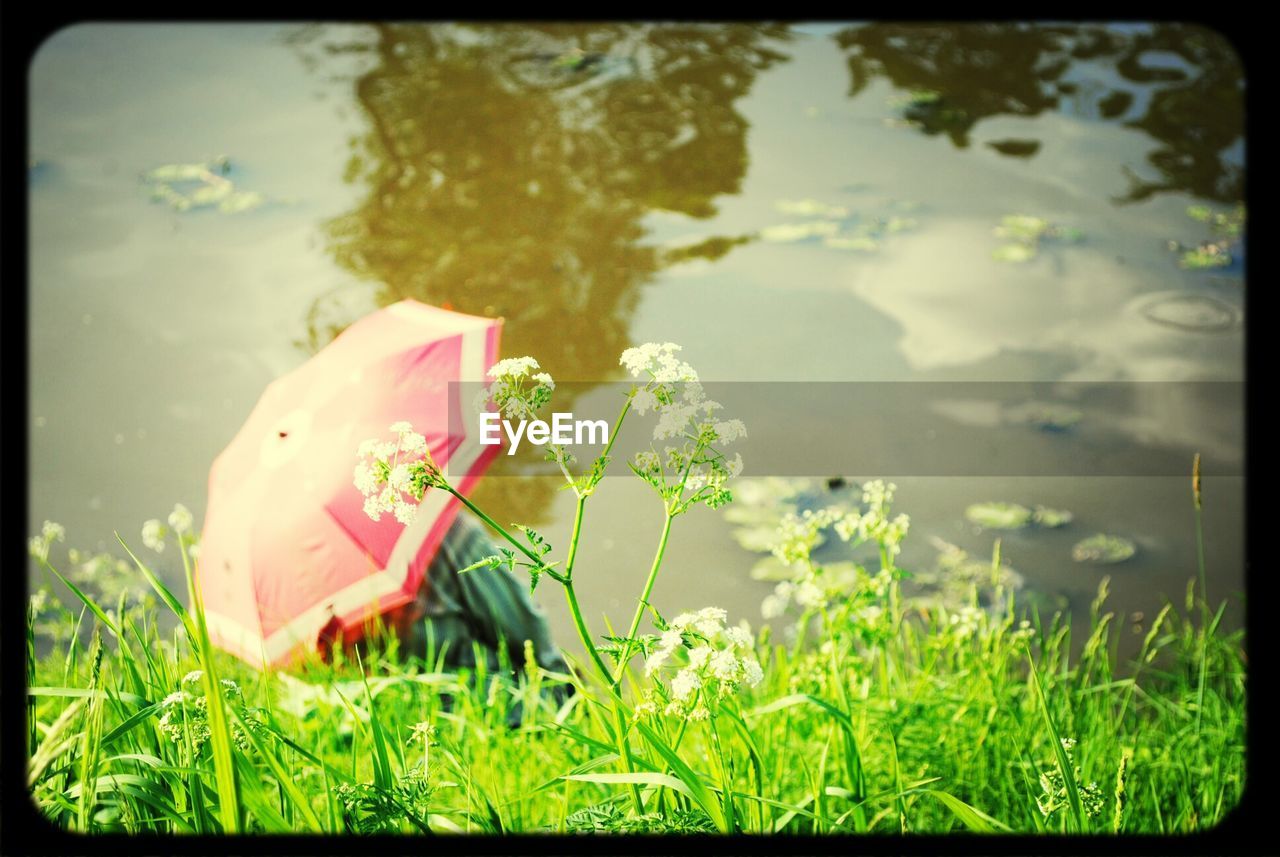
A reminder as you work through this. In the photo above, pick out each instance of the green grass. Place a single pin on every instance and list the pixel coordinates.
(928, 725)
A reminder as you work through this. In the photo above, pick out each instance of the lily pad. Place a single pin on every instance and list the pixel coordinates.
(1223, 250)
(999, 516)
(1103, 549)
(1053, 518)
(759, 539)
(188, 186)
(1022, 227)
(1024, 232)
(771, 568)
(1014, 253)
(1207, 255)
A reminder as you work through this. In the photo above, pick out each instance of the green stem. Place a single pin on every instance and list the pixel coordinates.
(1204, 608)
(643, 602)
(622, 415)
(584, 633)
(500, 530)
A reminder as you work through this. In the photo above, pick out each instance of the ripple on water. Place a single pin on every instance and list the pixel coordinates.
(1188, 311)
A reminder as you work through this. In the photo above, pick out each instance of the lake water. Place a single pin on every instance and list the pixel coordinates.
(795, 204)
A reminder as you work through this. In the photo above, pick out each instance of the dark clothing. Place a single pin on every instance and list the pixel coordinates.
(453, 611)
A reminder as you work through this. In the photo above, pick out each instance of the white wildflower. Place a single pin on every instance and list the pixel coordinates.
(752, 674)
(710, 620)
(730, 430)
(684, 684)
(545, 380)
(672, 420)
(699, 656)
(809, 595)
(513, 367)
(153, 533)
(647, 462)
(402, 426)
(724, 666)
(180, 519)
(734, 466)
(656, 660)
(53, 532)
(365, 479)
(776, 603)
(682, 621)
(399, 477)
(643, 400)
(648, 708)
(413, 442)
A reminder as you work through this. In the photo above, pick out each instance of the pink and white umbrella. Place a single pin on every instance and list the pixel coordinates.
(287, 550)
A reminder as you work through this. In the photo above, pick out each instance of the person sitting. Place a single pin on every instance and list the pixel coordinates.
(456, 618)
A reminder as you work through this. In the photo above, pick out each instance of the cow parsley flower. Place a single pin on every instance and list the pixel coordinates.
(730, 430)
(714, 661)
(643, 401)
(180, 519)
(153, 534)
(513, 367)
(684, 684)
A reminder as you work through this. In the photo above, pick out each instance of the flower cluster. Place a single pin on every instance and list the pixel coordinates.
(516, 390)
(874, 524)
(185, 712)
(393, 475)
(966, 622)
(671, 389)
(845, 590)
(1054, 789)
(707, 661)
(38, 546)
(155, 532)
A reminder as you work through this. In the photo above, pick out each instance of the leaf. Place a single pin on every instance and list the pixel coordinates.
(1103, 549)
(1014, 253)
(1052, 518)
(642, 778)
(998, 516)
(488, 562)
(697, 789)
(974, 819)
(1059, 751)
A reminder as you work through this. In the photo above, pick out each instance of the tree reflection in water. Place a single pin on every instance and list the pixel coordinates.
(510, 168)
(1186, 82)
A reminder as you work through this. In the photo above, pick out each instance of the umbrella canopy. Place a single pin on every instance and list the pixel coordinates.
(287, 551)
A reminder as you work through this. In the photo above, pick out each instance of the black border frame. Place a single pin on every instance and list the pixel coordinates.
(23, 829)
